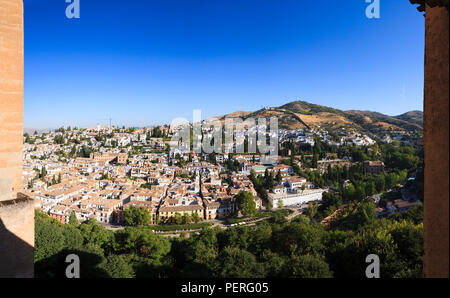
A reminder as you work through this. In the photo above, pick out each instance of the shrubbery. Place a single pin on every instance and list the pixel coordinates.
(301, 248)
(193, 226)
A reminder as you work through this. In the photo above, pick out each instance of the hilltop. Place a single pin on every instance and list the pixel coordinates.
(412, 116)
(302, 114)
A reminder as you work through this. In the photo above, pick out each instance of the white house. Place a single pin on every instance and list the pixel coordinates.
(303, 197)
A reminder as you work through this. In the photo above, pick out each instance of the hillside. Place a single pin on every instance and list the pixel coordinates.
(30, 130)
(382, 121)
(413, 117)
(236, 114)
(306, 108)
(301, 114)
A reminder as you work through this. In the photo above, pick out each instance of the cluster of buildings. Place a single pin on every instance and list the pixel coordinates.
(344, 137)
(373, 167)
(404, 137)
(396, 206)
(323, 165)
(104, 182)
(101, 172)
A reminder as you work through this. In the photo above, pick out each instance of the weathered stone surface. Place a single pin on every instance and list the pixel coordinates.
(11, 96)
(16, 211)
(430, 3)
(17, 237)
(436, 124)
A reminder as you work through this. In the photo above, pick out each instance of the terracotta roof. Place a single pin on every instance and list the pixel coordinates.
(212, 204)
(180, 208)
(404, 204)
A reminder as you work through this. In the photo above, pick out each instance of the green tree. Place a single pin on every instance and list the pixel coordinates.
(49, 238)
(73, 151)
(143, 242)
(186, 218)
(278, 177)
(137, 216)
(309, 266)
(195, 217)
(360, 193)
(365, 214)
(43, 172)
(312, 210)
(73, 239)
(409, 240)
(178, 218)
(269, 205)
(370, 188)
(59, 139)
(96, 235)
(118, 266)
(299, 238)
(238, 263)
(280, 204)
(73, 219)
(274, 264)
(350, 260)
(202, 252)
(245, 203)
(315, 161)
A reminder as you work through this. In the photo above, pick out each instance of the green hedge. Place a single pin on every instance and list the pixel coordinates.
(180, 227)
(234, 220)
(262, 214)
(282, 212)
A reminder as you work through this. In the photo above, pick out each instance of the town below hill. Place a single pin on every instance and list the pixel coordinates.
(328, 191)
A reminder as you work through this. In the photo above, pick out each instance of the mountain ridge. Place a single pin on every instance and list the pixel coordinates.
(302, 114)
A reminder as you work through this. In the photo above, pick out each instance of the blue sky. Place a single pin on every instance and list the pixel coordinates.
(145, 62)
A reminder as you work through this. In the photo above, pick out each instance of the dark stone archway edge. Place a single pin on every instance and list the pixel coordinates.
(436, 141)
(430, 3)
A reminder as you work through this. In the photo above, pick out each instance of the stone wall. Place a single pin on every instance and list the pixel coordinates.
(11, 97)
(436, 124)
(16, 211)
(17, 237)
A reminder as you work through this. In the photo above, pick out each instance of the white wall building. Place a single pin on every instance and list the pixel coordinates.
(308, 195)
